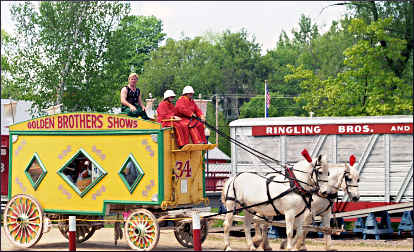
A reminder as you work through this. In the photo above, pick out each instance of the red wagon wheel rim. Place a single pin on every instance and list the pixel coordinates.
(23, 221)
(142, 230)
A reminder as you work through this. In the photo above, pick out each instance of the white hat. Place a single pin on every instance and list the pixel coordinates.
(188, 90)
(169, 93)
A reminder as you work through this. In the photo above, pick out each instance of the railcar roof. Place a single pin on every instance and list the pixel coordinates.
(297, 120)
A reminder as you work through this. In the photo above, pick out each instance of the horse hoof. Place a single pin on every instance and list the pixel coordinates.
(252, 248)
(227, 249)
(257, 240)
(283, 244)
(267, 249)
(331, 249)
(303, 248)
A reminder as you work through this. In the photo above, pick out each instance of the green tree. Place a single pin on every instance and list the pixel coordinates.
(6, 67)
(367, 85)
(129, 47)
(280, 105)
(400, 16)
(79, 53)
(181, 63)
(274, 64)
(223, 126)
(60, 54)
(237, 56)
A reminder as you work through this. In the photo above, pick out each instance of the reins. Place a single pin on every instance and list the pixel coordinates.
(265, 159)
(289, 174)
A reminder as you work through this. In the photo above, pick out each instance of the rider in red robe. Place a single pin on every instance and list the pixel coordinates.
(165, 111)
(186, 109)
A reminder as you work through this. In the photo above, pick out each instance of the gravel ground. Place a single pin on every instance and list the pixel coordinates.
(103, 241)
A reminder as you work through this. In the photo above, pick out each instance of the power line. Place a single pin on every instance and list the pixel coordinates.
(251, 95)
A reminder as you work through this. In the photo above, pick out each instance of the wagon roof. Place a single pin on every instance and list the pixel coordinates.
(296, 120)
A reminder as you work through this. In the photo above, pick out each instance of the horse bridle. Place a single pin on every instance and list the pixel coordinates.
(315, 169)
(347, 185)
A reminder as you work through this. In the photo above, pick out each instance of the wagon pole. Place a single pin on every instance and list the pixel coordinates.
(312, 228)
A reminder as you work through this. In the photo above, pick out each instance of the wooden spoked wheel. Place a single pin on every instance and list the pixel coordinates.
(142, 231)
(84, 229)
(23, 221)
(184, 232)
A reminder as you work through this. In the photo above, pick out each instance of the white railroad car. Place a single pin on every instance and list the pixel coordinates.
(11, 112)
(383, 146)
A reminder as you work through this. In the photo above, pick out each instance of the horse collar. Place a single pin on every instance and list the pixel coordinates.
(294, 183)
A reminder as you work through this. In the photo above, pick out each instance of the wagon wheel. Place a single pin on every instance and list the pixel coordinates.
(184, 232)
(23, 221)
(142, 230)
(84, 229)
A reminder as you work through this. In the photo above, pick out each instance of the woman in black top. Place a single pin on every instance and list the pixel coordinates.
(131, 99)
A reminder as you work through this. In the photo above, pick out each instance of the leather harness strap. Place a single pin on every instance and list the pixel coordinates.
(270, 200)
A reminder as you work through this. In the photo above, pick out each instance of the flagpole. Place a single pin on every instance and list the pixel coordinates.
(265, 99)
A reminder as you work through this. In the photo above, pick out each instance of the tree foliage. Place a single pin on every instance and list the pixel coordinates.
(129, 47)
(6, 67)
(223, 125)
(225, 64)
(78, 53)
(178, 64)
(367, 85)
(280, 105)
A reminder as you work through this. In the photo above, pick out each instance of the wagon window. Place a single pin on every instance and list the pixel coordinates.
(131, 173)
(35, 171)
(81, 172)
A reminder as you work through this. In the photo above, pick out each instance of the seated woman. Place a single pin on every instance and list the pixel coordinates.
(131, 100)
(188, 109)
(166, 116)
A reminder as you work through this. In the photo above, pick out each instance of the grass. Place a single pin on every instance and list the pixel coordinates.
(219, 223)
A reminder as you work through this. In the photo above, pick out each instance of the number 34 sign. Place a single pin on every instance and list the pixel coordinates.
(180, 170)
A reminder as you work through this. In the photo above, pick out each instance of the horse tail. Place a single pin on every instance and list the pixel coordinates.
(224, 191)
(226, 187)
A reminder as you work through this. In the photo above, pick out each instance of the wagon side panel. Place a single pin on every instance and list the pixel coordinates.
(108, 152)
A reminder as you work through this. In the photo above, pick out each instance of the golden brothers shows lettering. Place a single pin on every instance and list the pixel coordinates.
(73, 121)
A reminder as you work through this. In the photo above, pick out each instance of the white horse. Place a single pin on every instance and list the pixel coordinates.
(247, 189)
(341, 177)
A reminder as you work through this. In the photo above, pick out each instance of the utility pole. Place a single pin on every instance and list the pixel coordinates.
(217, 98)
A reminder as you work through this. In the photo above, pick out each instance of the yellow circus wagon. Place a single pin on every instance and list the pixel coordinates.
(93, 165)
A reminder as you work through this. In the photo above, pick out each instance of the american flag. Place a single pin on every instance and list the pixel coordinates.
(267, 100)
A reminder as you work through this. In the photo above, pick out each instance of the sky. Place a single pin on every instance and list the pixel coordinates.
(263, 19)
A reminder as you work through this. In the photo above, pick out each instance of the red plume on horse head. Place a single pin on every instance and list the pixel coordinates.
(352, 160)
(306, 155)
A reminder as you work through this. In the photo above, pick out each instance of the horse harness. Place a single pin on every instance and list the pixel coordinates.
(331, 197)
(294, 187)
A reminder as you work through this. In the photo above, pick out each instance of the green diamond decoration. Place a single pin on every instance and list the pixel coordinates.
(131, 173)
(35, 171)
(81, 172)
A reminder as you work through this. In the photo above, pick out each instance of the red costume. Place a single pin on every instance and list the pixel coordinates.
(185, 109)
(166, 110)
